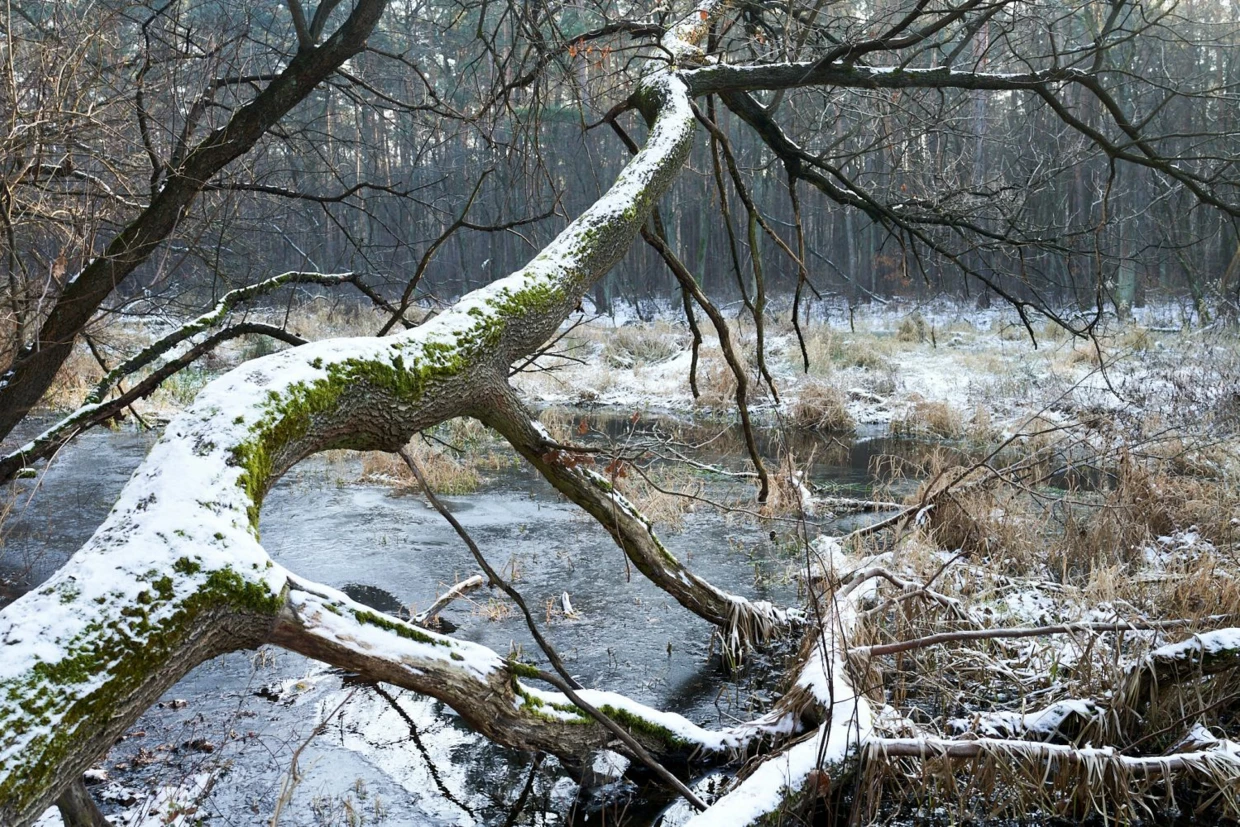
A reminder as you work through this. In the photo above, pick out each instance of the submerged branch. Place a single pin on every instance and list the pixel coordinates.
(458, 591)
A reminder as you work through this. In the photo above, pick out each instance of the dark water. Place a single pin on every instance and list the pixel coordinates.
(238, 720)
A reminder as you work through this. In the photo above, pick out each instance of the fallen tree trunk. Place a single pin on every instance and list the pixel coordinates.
(484, 688)
(1059, 780)
(176, 574)
(1226, 754)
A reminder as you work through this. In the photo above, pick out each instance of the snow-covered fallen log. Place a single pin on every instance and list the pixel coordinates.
(176, 574)
(825, 690)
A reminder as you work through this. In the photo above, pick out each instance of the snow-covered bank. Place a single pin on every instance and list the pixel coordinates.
(895, 365)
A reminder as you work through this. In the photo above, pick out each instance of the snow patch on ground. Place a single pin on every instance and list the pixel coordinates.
(885, 359)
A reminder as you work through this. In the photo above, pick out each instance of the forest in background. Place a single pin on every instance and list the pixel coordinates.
(468, 133)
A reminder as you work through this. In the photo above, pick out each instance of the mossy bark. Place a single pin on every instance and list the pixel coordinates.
(176, 575)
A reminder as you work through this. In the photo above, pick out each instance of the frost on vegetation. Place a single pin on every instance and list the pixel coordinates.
(1199, 647)
(1056, 721)
(168, 805)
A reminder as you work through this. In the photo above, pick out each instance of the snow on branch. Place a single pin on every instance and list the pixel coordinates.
(731, 78)
(176, 575)
(826, 689)
(484, 688)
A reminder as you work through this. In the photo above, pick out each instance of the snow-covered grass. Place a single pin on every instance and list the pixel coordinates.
(171, 805)
(942, 370)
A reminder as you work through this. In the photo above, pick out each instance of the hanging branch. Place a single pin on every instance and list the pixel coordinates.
(657, 241)
(492, 575)
(656, 237)
(564, 682)
(756, 221)
(802, 272)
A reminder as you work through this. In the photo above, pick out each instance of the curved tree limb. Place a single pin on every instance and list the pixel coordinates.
(484, 688)
(206, 321)
(176, 575)
(742, 622)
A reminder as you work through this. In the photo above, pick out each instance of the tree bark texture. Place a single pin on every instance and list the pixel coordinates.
(176, 574)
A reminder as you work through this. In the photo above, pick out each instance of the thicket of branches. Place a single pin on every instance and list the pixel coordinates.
(388, 154)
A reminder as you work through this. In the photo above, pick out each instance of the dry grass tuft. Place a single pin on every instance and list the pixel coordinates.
(717, 383)
(1133, 338)
(1148, 501)
(495, 609)
(928, 418)
(663, 494)
(830, 350)
(821, 406)
(913, 329)
(325, 318)
(446, 474)
(1053, 332)
(633, 346)
(76, 378)
(563, 424)
(977, 513)
(1084, 353)
(789, 494)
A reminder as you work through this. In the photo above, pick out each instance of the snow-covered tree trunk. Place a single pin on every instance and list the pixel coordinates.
(176, 573)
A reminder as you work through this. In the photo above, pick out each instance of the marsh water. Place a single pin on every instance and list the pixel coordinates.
(234, 725)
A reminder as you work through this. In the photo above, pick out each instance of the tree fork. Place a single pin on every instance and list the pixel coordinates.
(176, 575)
